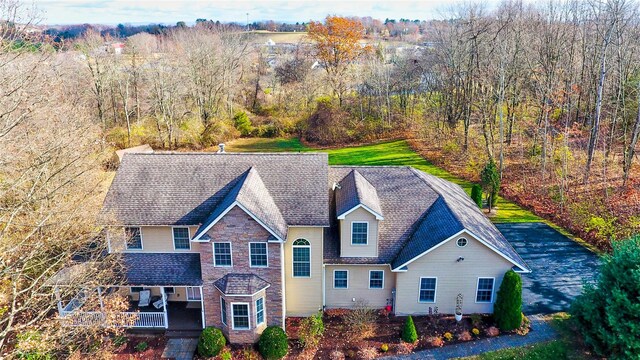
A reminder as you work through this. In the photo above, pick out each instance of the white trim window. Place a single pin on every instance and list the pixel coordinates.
(133, 237)
(181, 238)
(376, 279)
(359, 232)
(258, 254)
(301, 258)
(193, 293)
(340, 279)
(223, 311)
(260, 311)
(428, 287)
(240, 316)
(222, 254)
(484, 290)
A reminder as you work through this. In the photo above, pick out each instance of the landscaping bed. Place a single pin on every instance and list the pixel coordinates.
(139, 347)
(341, 341)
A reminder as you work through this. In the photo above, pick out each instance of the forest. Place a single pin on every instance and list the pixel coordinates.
(550, 91)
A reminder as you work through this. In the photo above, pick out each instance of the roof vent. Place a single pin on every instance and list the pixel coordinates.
(221, 148)
(336, 186)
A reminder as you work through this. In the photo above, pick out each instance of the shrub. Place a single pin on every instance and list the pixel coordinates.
(492, 331)
(368, 353)
(273, 343)
(448, 336)
(404, 348)
(490, 179)
(476, 320)
(476, 195)
(464, 336)
(606, 314)
(242, 123)
(384, 348)
(211, 342)
(142, 346)
(225, 354)
(119, 340)
(360, 320)
(311, 330)
(507, 310)
(436, 341)
(475, 331)
(409, 333)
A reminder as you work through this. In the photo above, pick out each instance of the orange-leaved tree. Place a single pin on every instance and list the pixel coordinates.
(338, 45)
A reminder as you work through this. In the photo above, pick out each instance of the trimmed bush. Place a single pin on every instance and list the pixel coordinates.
(507, 311)
(607, 313)
(311, 330)
(476, 195)
(211, 342)
(409, 333)
(273, 343)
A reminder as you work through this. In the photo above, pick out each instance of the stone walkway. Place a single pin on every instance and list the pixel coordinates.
(180, 349)
(541, 331)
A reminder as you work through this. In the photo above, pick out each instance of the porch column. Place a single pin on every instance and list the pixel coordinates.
(100, 299)
(164, 307)
(202, 306)
(56, 290)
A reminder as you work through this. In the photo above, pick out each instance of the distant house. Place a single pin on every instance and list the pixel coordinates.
(117, 47)
(241, 241)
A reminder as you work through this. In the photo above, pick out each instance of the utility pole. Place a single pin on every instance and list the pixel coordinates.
(247, 21)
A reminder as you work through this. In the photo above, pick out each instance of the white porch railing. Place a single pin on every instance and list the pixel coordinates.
(122, 319)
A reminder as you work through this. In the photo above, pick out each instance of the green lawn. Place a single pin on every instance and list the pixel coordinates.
(386, 153)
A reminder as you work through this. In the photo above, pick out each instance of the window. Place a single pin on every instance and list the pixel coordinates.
(484, 294)
(376, 279)
(240, 316)
(133, 238)
(462, 242)
(223, 310)
(258, 254)
(259, 311)
(359, 233)
(428, 290)
(181, 238)
(193, 293)
(301, 258)
(222, 254)
(340, 279)
(136, 289)
(169, 290)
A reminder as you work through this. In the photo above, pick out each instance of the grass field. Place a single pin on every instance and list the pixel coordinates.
(386, 153)
(277, 37)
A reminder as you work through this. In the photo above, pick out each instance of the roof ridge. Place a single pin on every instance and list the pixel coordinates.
(440, 195)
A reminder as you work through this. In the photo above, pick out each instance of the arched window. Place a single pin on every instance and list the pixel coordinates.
(301, 258)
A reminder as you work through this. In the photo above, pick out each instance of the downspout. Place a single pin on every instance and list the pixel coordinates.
(324, 294)
(282, 280)
(202, 306)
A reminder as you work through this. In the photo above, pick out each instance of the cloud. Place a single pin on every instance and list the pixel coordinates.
(166, 11)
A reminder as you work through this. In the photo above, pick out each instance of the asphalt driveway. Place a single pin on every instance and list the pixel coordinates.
(559, 266)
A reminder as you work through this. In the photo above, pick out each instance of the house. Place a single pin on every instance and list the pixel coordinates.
(241, 241)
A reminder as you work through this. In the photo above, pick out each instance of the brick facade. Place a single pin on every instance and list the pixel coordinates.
(239, 228)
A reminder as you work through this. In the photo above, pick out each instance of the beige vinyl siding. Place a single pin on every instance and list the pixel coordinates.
(155, 239)
(303, 296)
(369, 250)
(453, 278)
(358, 287)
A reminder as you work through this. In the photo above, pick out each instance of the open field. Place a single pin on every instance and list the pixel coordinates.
(262, 36)
(395, 152)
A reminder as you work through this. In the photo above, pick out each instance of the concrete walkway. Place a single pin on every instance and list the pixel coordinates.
(180, 349)
(541, 331)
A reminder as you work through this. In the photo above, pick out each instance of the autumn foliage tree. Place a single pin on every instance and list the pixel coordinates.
(337, 46)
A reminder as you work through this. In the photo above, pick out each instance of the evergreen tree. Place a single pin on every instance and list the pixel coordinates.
(409, 333)
(476, 195)
(490, 179)
(608, 314)
(507, 310)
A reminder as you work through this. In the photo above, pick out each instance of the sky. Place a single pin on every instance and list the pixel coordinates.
(112, 12)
